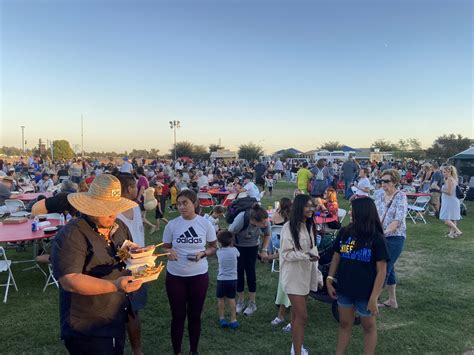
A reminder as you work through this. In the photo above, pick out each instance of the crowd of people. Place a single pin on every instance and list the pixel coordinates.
(100, 302)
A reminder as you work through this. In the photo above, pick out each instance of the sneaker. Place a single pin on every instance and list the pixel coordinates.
(250, 309)
(276, 321)
(234, 325)
(223, 323)
(240, 307)
(287, 328)
(303, 350)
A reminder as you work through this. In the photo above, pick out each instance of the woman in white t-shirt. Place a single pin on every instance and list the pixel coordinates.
(189, 239)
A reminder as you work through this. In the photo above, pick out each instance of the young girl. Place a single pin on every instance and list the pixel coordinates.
(299, 265)
(269, 183)
(360, 262)
(160, 207)
(173, 195)
(282, 214)
(331, 201)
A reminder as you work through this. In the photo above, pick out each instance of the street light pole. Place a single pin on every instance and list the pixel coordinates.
(23, 139)
(173, 126)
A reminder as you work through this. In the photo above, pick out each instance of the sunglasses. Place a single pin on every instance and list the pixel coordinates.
(384, 181)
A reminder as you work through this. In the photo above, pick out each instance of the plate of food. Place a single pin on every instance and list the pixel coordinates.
(138, 262)
(136, 253)
(148, 273)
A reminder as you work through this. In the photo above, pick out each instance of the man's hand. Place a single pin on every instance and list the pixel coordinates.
(127, 284)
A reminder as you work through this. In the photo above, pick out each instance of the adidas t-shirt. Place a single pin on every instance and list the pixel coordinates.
(188, 237)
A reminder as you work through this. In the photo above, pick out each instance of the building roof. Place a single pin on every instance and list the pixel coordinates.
(464, 155)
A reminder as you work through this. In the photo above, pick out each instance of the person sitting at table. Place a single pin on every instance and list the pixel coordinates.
(362, 186)
(6, 183)
(203, 180)
(250, 188)
(45, 183)
(58, 203)
(330, 201)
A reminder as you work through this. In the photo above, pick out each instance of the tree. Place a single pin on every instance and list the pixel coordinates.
(448, 145)
(286, 154)
(62, 150)
(331, 146)
(250, 151)
(215, 147)
(384, 146)
(183, 149)
(200, 153)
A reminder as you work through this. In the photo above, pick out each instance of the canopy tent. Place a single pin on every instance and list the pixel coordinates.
(464, 155)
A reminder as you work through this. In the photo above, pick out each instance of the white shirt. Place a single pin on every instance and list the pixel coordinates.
(44, 185)
(214, 221)
(252, 190)
(188, 237)
(135, 226)
(126, 167)
(203, 181)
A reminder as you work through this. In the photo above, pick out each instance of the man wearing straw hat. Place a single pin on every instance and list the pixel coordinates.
(94, 284)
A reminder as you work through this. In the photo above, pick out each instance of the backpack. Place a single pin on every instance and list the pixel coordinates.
(237, 206)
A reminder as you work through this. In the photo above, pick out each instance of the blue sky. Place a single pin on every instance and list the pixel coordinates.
(276, 73)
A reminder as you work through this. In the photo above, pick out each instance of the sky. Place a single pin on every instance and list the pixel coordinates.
(277, 73)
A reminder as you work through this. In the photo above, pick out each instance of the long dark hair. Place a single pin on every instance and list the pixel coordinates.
(297, 217)
(285, 208)
(365, 223)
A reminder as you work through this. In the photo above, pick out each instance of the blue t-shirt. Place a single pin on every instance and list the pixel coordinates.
(227, 258)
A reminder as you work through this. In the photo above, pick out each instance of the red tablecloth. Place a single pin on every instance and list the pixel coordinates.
(322, 220)
(22, 232)
(217, 192)
(32, 196)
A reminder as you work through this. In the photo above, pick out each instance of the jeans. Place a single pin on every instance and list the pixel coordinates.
(186, 296)
(246, 262)
(347, 188)
(395, 247)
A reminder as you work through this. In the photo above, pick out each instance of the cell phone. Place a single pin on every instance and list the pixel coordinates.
(192, 257)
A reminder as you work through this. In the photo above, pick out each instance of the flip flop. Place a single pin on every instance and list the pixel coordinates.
(385, 305)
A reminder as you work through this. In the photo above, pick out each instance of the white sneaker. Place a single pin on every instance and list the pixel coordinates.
(287, 328)
(250, 309)
(240, 307)
(303, 350)
(276, 321)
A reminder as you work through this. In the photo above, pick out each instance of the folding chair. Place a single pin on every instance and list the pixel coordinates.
(276, 230)
(205, 200)
(50, 280)
(229, 199)
(5, 266)
(418, 208)
(341, 214)
(14, 205)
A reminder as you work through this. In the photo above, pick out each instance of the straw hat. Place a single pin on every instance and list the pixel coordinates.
(6, 178)
(102, 199)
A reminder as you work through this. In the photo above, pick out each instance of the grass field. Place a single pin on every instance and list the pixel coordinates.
(435, 294)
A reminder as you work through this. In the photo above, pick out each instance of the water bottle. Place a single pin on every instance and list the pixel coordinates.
(61, 219)
(34, 225)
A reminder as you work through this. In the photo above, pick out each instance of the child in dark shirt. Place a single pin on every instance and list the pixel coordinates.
(360, 262)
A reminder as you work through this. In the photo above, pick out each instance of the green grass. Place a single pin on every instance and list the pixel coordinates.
(435, 293)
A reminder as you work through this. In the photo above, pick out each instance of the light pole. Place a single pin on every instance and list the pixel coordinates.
(173, 126)
(23, 139)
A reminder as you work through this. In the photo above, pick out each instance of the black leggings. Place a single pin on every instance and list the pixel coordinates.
(246, 262)
(186, 296)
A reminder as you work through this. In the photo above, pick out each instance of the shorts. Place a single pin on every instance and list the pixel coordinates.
(139, 298)
(158, 214)
(226, 288)
(359, 304)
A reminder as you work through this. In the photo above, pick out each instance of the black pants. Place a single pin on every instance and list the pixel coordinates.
(246, 262)
(95, 345)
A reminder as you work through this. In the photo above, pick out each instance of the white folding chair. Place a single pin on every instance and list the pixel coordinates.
(341, 214)
(50, 280)
(205, 199)
(242, 194)
(418, 208)
(229, 199)
(262, 194)
(14, 205)
(276, 262)
(5, 265)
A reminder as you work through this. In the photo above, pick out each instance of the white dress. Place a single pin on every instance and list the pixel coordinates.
(450, 206)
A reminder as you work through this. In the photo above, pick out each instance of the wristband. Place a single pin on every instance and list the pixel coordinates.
(265, 250)
(330, 278)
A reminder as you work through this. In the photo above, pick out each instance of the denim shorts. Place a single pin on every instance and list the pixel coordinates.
(359, 304)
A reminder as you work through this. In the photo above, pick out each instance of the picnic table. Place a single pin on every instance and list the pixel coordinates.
(325, 219)
(414, 195)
